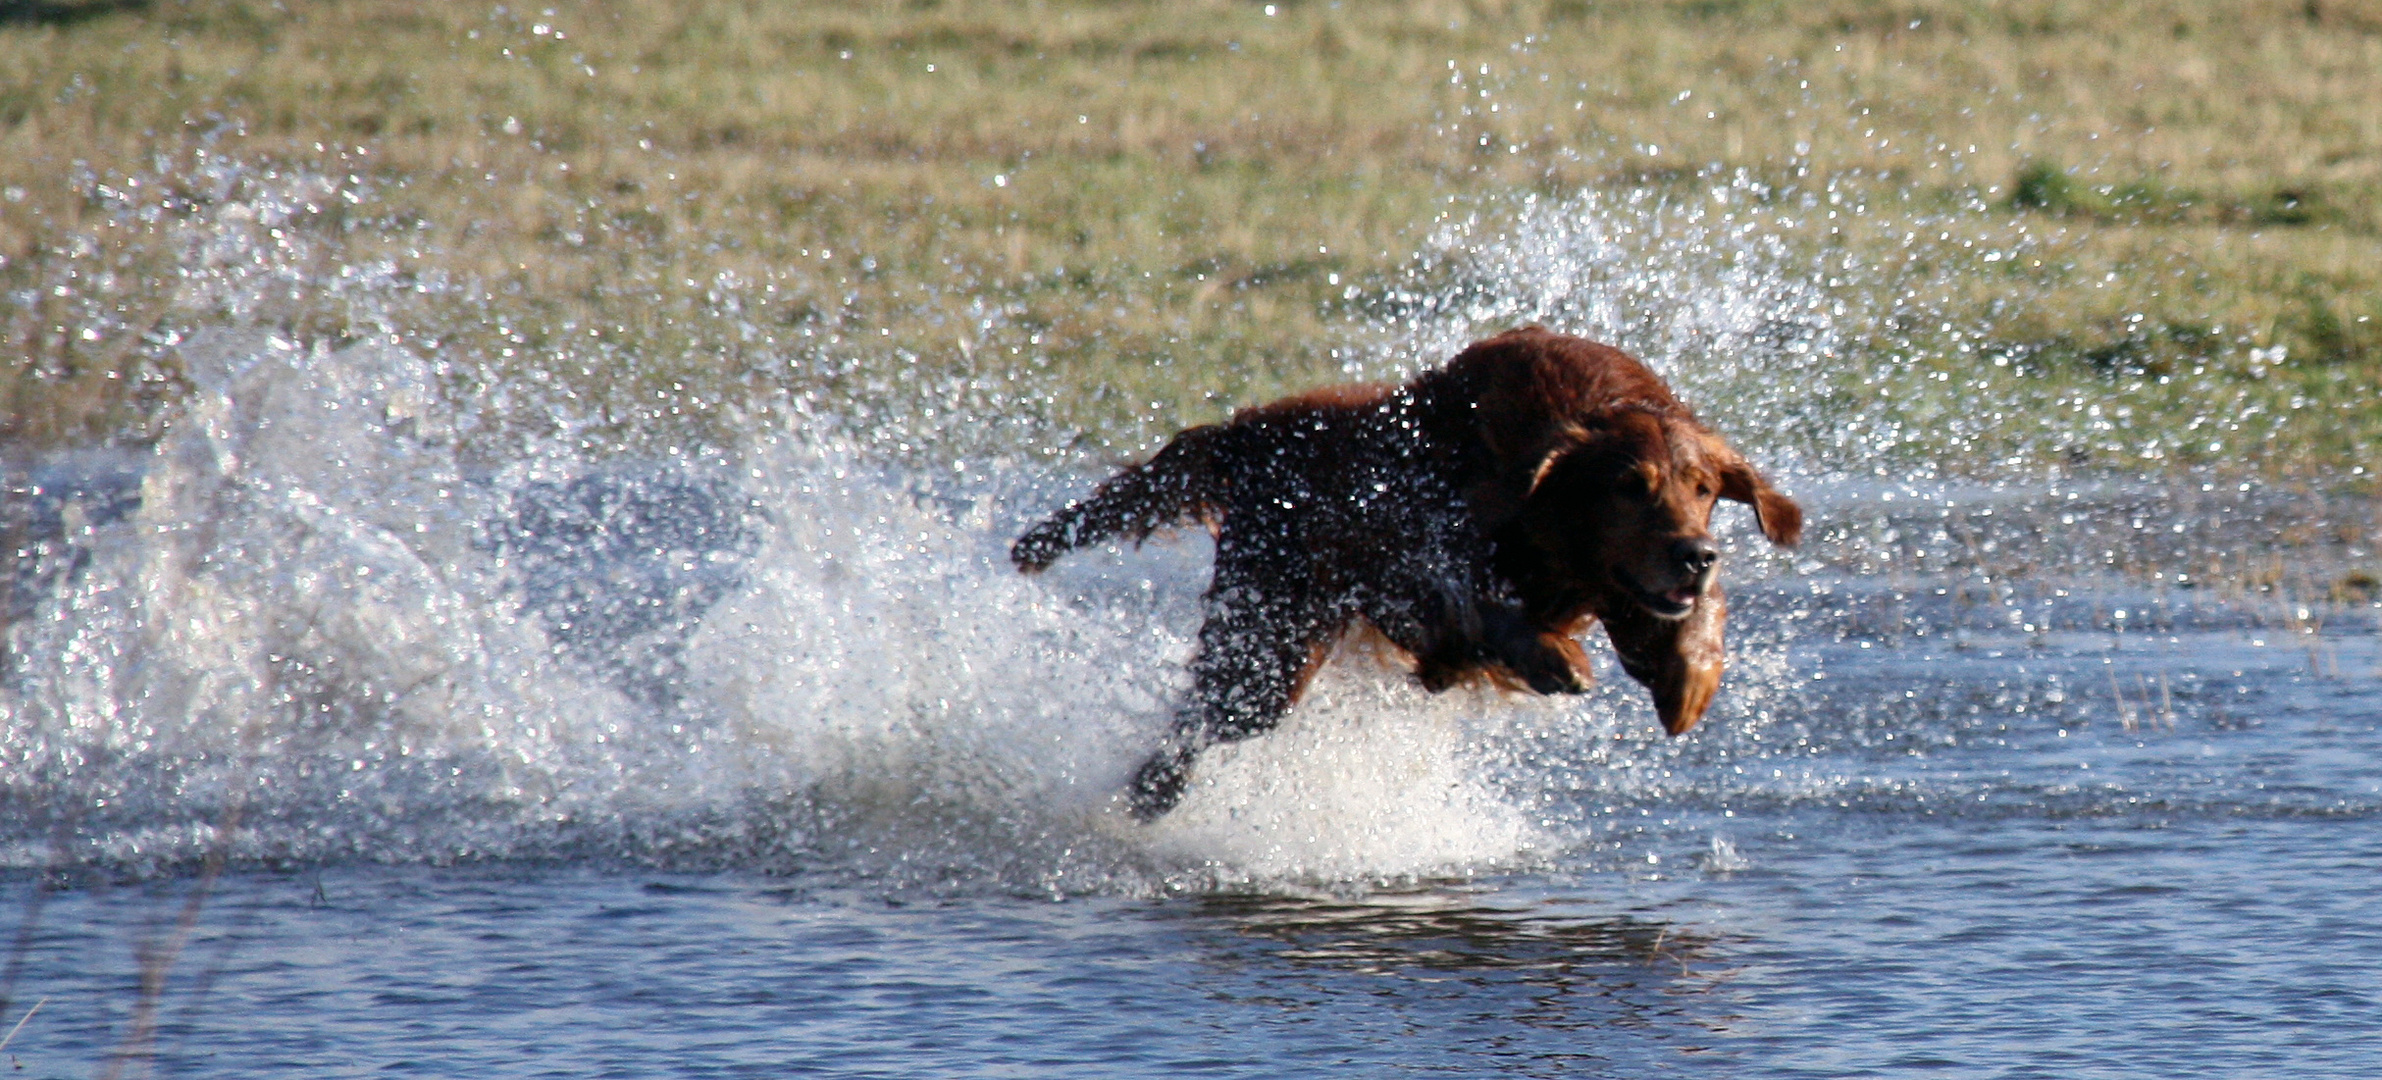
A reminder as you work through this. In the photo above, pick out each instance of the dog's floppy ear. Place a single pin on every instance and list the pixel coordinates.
(1678, 659)
(1499, 499)
(1782, 520)
(1573, 439)
(1546, 464)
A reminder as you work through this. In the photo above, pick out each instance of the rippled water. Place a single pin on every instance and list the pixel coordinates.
(331, 748)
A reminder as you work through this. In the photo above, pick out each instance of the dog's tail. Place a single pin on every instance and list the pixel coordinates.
(1180, 483)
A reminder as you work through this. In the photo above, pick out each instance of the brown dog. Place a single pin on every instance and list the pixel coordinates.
(1479, 517)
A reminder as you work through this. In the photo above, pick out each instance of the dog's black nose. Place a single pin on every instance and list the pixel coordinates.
(1695, 555)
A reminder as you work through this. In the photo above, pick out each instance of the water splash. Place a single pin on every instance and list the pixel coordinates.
(1707, 275)
(1858, 332)
(320, 621)
(334, 607)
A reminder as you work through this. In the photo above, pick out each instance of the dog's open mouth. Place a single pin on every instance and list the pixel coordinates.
(1672, 603)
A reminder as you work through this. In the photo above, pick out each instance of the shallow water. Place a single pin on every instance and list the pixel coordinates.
(332, 749)
(1931, 842)
(2201, 905)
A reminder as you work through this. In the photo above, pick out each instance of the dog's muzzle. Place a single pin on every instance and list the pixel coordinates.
(1689, 562)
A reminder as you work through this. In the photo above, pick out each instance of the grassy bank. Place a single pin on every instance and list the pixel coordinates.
(1131, 216)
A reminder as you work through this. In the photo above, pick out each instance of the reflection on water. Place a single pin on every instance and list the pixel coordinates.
(1450, 932)
(1505, 979)
(561, 971)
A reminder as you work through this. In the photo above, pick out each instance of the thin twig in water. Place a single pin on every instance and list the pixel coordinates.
(2306, 622)
(2127, 718)
(141, 1036)
(1657, 952)
(12, 1032)
(138, 1039)
(195, 995)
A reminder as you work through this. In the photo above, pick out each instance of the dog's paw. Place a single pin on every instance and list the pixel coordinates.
(1035, 551)
(1564, 681)
(1552, 664)
(1434, 676)
(1158, 785)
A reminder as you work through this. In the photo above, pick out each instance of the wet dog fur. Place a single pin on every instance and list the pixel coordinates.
(1479, 517)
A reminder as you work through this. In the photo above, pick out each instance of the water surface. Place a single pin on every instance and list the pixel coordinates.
(337, 742)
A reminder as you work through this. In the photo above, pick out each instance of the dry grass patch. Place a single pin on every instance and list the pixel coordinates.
(1125, 217)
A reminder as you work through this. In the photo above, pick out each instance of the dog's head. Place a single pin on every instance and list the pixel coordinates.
(1625, 509)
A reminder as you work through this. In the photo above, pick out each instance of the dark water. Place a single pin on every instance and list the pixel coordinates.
(327, 748)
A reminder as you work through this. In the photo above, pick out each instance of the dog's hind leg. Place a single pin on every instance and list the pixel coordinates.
(1257, 650)
(1158, 785)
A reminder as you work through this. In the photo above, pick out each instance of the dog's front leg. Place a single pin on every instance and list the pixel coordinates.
(1547, 661)
(1680, 660)
(1435, 625)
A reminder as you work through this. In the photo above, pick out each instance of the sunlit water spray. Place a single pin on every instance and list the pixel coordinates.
(319, 630)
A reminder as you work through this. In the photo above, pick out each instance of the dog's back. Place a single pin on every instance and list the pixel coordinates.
(1503, 405)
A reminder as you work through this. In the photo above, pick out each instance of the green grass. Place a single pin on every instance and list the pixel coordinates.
(660, 221)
